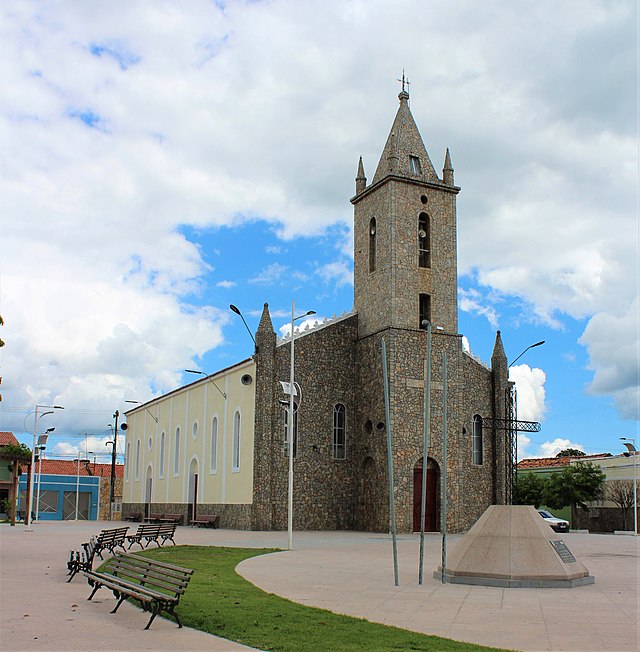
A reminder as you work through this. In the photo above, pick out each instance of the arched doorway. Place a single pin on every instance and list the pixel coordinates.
(431, 519)
(148, 486)
(193, 489)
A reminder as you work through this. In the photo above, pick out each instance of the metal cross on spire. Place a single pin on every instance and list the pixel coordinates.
(404, 81)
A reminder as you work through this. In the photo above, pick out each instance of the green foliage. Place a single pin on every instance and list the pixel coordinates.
(221, 602)
(576, 485)
(571, 452)
(529, 489)
(16, 453)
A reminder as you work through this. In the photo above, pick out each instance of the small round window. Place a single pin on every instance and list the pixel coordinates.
(246, 379)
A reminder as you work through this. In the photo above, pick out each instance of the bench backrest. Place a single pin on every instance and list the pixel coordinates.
(167, 528)
(111, 537)
(155, 575)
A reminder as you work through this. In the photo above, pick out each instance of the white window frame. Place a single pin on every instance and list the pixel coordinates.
(477, 435)
(213, 452)
(176, 454)
(235, 445)
(336, 432)
(161, 461)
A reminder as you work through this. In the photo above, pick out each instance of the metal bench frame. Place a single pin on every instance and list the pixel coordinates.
(156, 585)
(148, 532)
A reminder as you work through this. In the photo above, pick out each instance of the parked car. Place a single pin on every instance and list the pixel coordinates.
(558, 524)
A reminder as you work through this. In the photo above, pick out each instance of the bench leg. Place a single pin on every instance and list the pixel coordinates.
(121, 599)
(156, 611)
(95, 588)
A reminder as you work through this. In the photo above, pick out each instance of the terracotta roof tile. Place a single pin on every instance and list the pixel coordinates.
(69, 467)
(7, 439)
(548, 462)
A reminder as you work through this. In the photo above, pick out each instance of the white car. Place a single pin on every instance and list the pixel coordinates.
(558, 524)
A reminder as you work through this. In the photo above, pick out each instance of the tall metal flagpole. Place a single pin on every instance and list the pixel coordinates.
(444, 465)
(425, 446)
(390, 462)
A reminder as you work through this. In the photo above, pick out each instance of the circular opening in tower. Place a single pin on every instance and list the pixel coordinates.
(424, 199)
(246, 379)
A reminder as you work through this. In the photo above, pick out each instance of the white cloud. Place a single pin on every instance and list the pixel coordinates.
(338, 272)
(546, 449)
(530, 392)
(552, 448)
(613, 345)
(226, 284)
(471, 301)
(269, 275)
(303, 325)
(194, 123)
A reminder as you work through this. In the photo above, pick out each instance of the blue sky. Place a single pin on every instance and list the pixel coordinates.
(163, 160)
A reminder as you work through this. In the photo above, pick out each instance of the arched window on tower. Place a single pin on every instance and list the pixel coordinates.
(372, 245)
(425, 311)
(339, 432)
(424, 241)
(476, 440)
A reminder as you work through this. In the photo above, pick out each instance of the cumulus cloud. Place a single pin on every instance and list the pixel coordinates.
(552, 448)
(530, 391)
(148, 117)
(613, 345)
(470, 300)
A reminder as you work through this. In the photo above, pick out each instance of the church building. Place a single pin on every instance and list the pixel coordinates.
(219, 445)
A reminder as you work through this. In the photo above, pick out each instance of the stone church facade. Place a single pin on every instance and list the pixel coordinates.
(405, 276)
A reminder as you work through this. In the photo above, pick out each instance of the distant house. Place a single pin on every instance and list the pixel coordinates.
(6, 439)
(603, 515)
(69, 489)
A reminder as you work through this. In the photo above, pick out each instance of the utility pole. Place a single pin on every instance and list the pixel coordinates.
(113, 464)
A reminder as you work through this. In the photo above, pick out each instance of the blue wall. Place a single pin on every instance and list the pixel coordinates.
(60, 484)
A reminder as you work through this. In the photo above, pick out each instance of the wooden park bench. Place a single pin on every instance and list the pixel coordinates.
(153, 518)
(82, 560)
(206, 520)
(134, 516)
(148, 532)
(156, 585)
(171, 518)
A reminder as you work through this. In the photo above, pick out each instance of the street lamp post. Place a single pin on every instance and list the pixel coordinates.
(290, 421)
(632, 450)
(50, 409)
(531, 346)
(202, 373)
(42, 440)
(237, 311)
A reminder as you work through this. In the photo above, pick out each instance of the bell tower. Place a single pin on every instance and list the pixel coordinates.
(405, 245)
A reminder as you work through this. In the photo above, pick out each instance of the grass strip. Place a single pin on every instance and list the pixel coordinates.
(221, 602)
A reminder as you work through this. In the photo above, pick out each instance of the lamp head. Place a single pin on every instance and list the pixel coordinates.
(234, 309)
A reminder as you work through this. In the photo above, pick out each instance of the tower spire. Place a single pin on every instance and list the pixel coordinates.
(361, 179)
(404, 154)
(447, 170)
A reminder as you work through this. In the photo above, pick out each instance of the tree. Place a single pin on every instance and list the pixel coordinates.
(571, 452)
(620, 492)
(17, 455)
(529, 489)
(576, 485)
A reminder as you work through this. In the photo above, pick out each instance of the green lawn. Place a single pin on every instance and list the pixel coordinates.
(221, 602)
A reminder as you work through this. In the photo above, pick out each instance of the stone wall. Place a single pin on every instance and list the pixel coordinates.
(324, 487)
(232, 517)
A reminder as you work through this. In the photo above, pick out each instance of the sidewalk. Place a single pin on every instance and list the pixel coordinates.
(347, 572)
